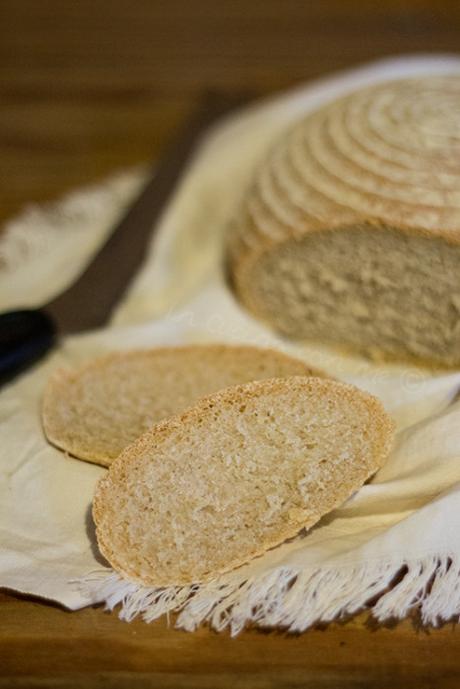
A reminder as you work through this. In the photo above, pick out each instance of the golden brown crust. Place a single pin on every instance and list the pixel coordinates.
(134, 456)
(380, 159)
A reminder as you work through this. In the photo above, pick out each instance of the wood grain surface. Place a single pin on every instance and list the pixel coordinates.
(43, 646)
(88, 87)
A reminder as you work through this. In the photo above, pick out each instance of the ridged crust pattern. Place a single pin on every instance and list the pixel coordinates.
(385, 157)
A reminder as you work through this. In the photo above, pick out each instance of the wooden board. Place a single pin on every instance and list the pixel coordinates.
(44, 646)
(87, 88)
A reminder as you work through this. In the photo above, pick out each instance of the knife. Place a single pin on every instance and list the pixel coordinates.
(27, 334)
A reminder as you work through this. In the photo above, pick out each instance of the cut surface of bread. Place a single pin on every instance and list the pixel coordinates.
(93, 412)
(350, 233)
(238, 473)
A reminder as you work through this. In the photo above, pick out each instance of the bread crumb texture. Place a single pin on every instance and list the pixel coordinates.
(238, 473)
(93, 412)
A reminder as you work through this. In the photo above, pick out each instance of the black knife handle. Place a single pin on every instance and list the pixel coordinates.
(25, 336)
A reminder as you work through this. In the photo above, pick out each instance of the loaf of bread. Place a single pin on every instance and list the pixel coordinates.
(98, 409)
(236, 474)
(350, 233)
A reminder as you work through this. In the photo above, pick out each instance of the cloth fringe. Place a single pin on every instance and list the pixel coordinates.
(293, 600)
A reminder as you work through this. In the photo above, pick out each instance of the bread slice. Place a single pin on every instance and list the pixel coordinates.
(350, 233)
(95, 411)
(238, 473)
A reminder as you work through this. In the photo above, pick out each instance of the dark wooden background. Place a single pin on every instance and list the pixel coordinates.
(91, 86)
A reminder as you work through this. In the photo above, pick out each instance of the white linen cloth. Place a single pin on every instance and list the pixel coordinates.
(407, 517)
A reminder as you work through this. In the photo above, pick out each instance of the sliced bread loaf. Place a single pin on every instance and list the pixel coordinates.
(350, 233)
(98, 409)
(238, 473)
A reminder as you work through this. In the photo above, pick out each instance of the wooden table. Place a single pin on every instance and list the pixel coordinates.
(91, 86)
(43, 646)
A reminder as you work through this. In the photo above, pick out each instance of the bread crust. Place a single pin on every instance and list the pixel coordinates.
(286, 204)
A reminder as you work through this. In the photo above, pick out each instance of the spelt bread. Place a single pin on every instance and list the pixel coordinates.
(238, 473)
(95, 411)
(350, 233)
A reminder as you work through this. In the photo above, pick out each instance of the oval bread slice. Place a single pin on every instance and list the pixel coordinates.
(95, 411)
(238, 473)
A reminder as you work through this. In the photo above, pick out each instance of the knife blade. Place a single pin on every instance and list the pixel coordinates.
(27, 334)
